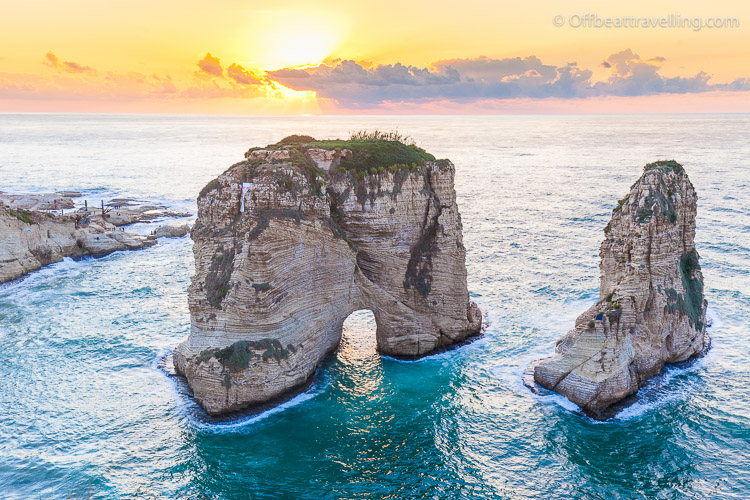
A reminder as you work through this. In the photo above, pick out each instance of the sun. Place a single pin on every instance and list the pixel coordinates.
(301, 48)
(281, 39)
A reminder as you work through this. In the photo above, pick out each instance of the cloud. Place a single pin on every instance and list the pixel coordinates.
(211, 65)
(739, 85)
(51, 60)
(241, 75)
(69, 87)
(215, 90)
(462, 79)
(633, 76)
(461, 83)
(357, 84)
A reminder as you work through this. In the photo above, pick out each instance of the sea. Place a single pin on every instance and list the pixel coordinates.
(89, 407)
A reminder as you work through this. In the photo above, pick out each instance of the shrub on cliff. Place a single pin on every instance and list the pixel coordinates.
(374, 154)
(211, 186)
(295, 139)
(370, 150)
(23, 215)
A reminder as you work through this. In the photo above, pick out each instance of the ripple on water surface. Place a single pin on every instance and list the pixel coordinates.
(86, 408)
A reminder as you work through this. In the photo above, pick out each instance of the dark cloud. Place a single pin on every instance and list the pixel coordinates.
(487, 70)
(211, 65)
(354, 84)
(460, 79)
(51, 60)
(739, 85)
(241, 75)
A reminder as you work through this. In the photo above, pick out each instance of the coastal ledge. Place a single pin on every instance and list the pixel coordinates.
(651, 309)
(291, 241)
(35, 231)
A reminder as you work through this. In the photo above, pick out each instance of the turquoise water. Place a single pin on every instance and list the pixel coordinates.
(87, 412)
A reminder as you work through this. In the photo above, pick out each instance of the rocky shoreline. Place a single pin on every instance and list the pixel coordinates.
(35, 230)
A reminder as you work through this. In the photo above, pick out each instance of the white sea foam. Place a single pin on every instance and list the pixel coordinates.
(190, 409)
(654, 394)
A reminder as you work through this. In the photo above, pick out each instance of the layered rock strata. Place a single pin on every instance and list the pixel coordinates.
(291, 241)
(32, 239)
(651, 310)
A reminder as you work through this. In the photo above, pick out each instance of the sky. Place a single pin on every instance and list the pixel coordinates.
(385, 57)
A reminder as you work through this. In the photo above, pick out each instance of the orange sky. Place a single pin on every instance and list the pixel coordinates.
(140, 56)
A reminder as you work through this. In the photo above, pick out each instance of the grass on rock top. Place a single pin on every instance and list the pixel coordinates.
(372, 153)
(370, 150)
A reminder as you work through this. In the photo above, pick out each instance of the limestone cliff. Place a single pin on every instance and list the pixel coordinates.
(651, 309)
(31, 239)
(291, 241)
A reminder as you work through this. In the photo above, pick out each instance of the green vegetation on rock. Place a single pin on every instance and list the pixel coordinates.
(376, 150)
(659, 201)
(665, 166)
(237, 357)
(23, 215)
(219, 273)
(213, 185)
(691, 303)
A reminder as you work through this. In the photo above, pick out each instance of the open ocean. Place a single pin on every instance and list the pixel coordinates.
(86, 410)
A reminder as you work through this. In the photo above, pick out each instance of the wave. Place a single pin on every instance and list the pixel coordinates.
(488, 318)
(67, 267)
(197, 417)
(657, 392)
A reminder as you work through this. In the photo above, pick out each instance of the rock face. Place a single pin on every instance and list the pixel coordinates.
(31, 239)
(651, 309)
(171, 231)
(319, 238)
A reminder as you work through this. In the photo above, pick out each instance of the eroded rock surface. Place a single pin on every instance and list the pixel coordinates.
(319, 238)
(31, 239)
(651, 310)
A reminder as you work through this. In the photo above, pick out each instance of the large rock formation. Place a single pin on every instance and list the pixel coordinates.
(651, 309)
(291, 241)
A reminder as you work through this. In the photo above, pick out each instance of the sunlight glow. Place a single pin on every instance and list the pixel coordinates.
(275, 90)
(293, 39)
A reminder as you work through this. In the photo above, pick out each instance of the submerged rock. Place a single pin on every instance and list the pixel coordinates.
(291, 241)
(651, 309)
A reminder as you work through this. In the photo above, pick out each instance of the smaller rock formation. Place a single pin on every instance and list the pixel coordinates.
(171, 231)
(32, 237)
(651, 309)
(38, 201)
(126, 211)
(291, 241)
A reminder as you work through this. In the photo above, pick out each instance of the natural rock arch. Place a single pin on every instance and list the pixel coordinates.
(289, 243)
